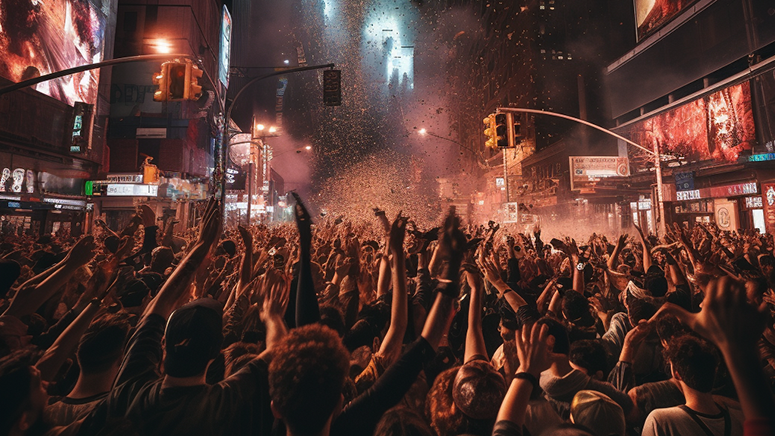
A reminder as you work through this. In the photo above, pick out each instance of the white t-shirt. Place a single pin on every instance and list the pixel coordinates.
(674, 421)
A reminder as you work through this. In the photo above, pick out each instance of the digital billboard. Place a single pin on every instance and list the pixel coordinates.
(42, 37)
(650, 15)
(224, 48)
(717, 127)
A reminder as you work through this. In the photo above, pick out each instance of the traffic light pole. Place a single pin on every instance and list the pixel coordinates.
(655, 153)
(40, 79)
(224, 151)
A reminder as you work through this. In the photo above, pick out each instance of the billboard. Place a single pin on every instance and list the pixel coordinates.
(224, 49)
(650, 15)
(716, 127)
(42, 37)
(586, 171)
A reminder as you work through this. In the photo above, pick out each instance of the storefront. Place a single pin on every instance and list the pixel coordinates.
(731, 207)
(117, 198)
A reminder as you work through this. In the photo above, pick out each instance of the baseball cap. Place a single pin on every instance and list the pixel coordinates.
(598, 412)
(193, 337)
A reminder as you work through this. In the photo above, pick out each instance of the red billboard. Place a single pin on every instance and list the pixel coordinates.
(716, 127)
(651, 15)
(42, 37)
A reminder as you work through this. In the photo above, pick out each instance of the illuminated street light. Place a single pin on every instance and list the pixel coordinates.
(308, 148)
(422, 131)
(162, 46)
(260, 127)
(272, 129)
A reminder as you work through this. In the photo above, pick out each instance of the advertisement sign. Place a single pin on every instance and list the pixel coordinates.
(512, 213)
(726, 215)
(716, 127)
(224, 49)
(769, 207)
(43, 37)
(651, 15)
(586, 171)
(81, 127)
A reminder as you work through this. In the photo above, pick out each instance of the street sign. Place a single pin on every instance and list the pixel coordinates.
(332, 87)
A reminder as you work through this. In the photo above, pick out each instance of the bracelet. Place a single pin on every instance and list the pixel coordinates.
(529, 377)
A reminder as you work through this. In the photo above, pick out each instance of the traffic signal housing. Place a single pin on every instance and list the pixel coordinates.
(515, 134)
(502, 130)
(194, 90)
(178, 82)
(161, 80)
(490, 131)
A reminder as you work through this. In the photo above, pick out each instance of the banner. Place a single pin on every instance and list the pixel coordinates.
(651, 15)
(586, 171)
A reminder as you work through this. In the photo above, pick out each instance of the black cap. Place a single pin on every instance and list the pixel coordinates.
(193, 337)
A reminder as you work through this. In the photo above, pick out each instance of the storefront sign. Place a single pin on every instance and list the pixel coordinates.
(80, 204)
(734, 190)
(726, 215)
(644, 204)
(586, 171)
(753, 203)
(125, 178)
(512, 213)
(127, 190)
(684, 181)
(764, 157)
(688, 195)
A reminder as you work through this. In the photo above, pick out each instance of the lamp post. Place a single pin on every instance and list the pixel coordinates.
(655, 153)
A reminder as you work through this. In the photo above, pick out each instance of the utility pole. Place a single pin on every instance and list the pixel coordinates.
(505, 174)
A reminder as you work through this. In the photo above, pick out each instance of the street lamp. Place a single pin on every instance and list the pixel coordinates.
(422, 131)
(162, 45)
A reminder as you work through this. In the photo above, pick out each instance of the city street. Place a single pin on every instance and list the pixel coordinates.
(387, 217)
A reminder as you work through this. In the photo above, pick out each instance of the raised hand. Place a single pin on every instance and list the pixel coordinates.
(452, 246)
(276, 290)
(397, 234)
(147, 215)
(210, 227)
(82, 252)
(533, 345)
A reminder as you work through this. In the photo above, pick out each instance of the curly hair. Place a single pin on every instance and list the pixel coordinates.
(694, 360)
(306, 377)
(446, 419)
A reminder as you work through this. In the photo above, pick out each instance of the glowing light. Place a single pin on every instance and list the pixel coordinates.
(309, 147)
(272, 129)
(162, 46)
(260, 127)
(286, 62)
(422, 131)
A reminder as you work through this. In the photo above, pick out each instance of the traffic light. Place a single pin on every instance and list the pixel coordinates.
(194, 89)
(516, 131)
(489, 131)
(502, 130)
(161, 80)
(177, 81)
(332, 87)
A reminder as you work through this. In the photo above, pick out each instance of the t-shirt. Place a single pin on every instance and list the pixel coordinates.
(65, 410)
(237, 405)
(674, 421)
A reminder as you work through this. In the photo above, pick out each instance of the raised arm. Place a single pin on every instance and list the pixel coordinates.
(646, 249)
(474, 336)
(180, 280)
(307, 311)
(276, 292)
(727, 320)
(534, 358)
(29, 299)
(399, 313)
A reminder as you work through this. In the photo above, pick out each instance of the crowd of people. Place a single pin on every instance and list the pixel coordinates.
(383, 328)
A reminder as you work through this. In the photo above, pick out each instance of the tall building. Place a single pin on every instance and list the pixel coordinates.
(161, 153)
(699, 83)
(52, 135)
